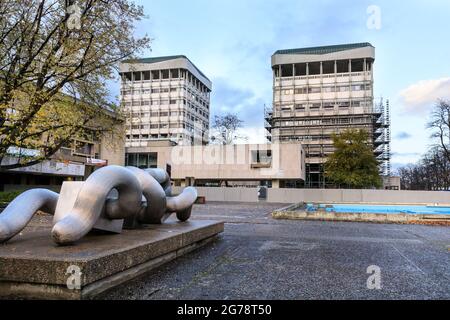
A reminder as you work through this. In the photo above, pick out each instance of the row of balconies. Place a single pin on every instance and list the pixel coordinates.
(164, 129)
(158, 91)
(145, 143)
(165, 126)
(147, 130)
(319, 136)
(163, 104)
(301, 98)
(146, 135)
(174, 84)
(324, 88)
(155, 131)
(311, 138)
(344, 101)
(159, 119)
(332, 125)
(168, 109)
(316, 138)
(174, 119)
(157, 97)
(166, 119)
(325, 82)
(350, 76)
(163, 107)
(162, 83)
(154, 83)
(323, 112)
(180, 90)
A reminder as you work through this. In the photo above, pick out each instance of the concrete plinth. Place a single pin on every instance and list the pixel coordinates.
(32, 266)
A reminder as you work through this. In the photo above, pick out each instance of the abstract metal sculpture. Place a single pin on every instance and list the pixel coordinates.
(144, 197)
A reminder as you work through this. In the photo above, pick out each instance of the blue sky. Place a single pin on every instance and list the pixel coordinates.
(232, 41)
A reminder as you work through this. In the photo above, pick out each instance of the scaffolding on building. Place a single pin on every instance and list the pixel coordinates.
(385, 156)
(376, 120)
(268, 113)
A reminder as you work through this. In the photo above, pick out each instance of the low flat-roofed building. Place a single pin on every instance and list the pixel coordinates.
(275, 165)
(392, 183)
(75, 161)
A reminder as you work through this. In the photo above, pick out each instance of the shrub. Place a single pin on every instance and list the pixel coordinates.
(6, 197)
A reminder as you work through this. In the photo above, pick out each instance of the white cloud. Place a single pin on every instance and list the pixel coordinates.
(421, 96)
(255, 135)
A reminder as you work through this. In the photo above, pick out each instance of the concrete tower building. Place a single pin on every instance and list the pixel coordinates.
(164, 98)
(320, 91)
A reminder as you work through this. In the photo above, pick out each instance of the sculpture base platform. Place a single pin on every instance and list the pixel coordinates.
(33, 267)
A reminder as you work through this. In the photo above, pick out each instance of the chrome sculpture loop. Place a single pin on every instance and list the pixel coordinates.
(144, 197)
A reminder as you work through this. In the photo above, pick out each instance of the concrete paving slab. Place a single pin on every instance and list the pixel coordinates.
(32, 265)
(260, 258)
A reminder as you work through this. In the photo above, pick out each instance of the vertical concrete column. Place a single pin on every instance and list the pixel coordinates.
(275, 184)
(189, 181)
(274, 95)
(307, 88)
(350, 83)
(179, 98)
(335, 81)
(293, 93)
(365, 81)
(371, 85)
(279, 83)
(321, 85)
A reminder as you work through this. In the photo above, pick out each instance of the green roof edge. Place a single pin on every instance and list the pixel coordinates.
(164, 58)
(324, 49)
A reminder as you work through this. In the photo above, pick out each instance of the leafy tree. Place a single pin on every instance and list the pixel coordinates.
(353, 164)
(55, 58)
(227, 127)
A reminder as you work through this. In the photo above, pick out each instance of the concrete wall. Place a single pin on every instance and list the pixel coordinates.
(226, 194)
(234, 162)
(112, 148)
(325, 196)
(367, 196)
(289, 196)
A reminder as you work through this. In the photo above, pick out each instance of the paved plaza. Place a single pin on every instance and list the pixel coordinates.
(261, 258)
